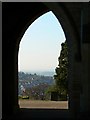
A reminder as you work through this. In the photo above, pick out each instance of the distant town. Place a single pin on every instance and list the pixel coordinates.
(34, 85)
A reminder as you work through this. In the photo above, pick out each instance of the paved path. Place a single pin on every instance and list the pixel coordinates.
(43, 104)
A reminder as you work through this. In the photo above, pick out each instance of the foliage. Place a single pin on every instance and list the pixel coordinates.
(62, 70)
(52, 88)
(25, 97)
(37, 92)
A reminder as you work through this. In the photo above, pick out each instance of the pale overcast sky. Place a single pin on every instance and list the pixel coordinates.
(41, 44)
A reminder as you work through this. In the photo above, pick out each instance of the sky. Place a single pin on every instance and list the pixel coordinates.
(40, 45)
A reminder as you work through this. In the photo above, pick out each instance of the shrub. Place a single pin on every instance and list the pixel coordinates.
(25, 97)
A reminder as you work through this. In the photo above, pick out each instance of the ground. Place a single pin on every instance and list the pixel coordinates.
(43, 104)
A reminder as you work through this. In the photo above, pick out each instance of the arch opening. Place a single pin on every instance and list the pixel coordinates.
(47, 46)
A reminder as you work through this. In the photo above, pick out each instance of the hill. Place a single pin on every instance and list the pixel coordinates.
(33, 82)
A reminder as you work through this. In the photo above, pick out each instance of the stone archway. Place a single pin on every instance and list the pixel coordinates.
(15, 22)
(72, 39)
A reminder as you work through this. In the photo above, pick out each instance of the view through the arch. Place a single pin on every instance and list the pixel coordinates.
(42, 66)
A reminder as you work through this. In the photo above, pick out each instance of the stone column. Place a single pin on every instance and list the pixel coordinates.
(85, 77)
(76, 88)
(85, 97)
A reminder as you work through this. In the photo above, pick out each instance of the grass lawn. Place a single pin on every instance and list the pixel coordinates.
(42, 104)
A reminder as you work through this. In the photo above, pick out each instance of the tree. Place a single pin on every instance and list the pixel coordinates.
(62, 71)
